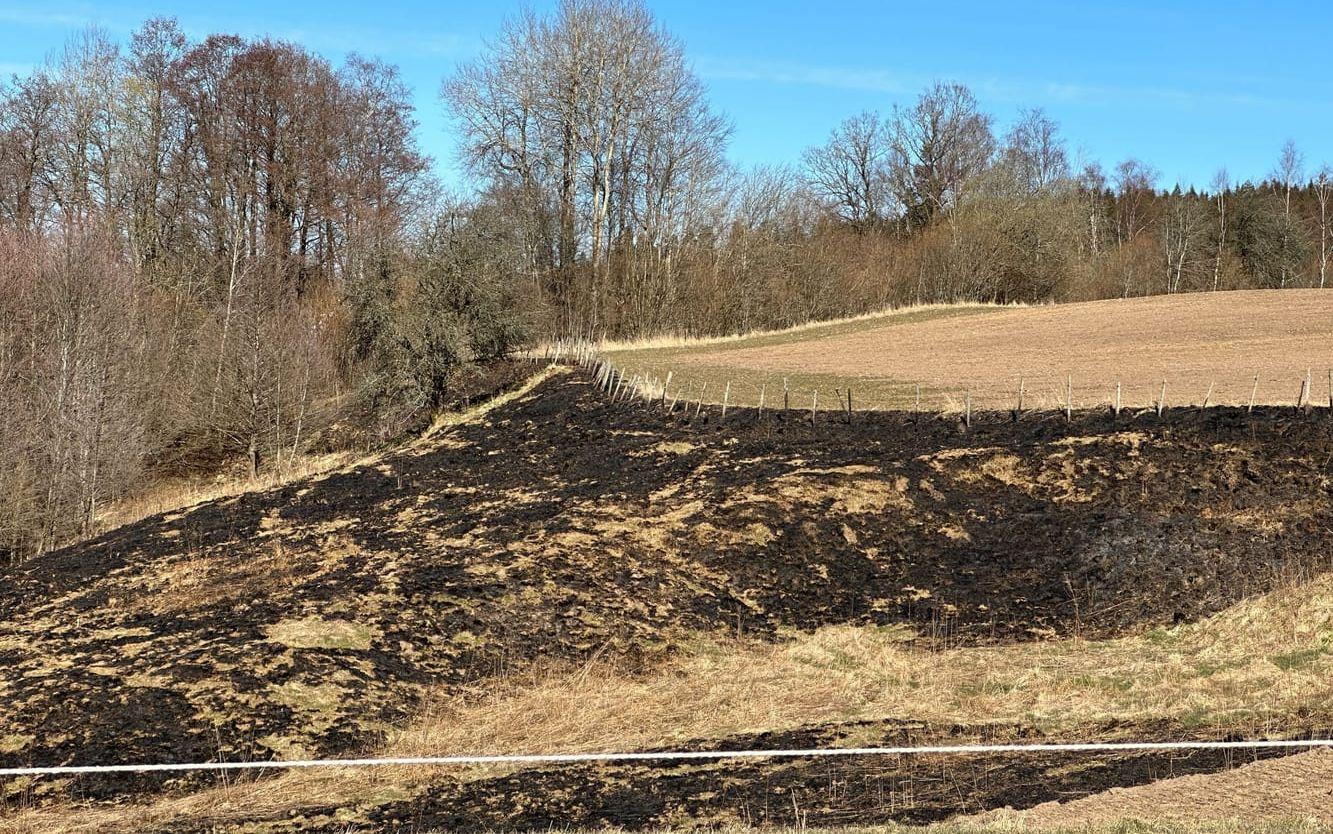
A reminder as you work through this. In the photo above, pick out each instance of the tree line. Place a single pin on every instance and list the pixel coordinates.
(211, 249)
(590, 132)
(207, 251)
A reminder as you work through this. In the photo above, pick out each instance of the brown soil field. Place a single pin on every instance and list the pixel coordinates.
(1193, 342)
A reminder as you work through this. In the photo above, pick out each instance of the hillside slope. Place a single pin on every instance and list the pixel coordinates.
(310, 618)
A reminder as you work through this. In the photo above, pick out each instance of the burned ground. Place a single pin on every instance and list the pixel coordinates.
(309, 619)
(861, 790)
(791, 793)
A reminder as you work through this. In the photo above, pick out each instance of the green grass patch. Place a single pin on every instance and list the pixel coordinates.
(692, 382)
(1292, 661)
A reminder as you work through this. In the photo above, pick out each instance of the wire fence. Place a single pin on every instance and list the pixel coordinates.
(693, 395)
(682, 756)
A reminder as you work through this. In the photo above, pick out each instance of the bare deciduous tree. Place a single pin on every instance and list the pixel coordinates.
(939, 144)
(1290, 168)
(1033, 146)
(1322, 185)
(1133, 182)
(851, 170)
(1221, 184)
(1182, 233)
(592, 125)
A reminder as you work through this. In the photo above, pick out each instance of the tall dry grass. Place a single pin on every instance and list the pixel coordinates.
(1248, 670)
(168, 496)
(182, 494)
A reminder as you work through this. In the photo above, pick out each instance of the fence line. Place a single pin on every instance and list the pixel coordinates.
(627, 388)
(683, 755)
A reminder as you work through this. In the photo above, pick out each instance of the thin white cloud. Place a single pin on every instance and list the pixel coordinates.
(34, 17)
(1008, 91)
(389, 43)
(773, 72)
(75, 17)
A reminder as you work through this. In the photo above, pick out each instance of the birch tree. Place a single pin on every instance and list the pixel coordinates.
(1290, 167)
(1221, 185)
(1322, 185)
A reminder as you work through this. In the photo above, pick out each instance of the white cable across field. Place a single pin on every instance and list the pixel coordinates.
(681, 755)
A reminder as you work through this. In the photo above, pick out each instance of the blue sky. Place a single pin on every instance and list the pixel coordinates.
(1186, 86)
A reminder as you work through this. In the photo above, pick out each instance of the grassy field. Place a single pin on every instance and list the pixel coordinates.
(1203, 346)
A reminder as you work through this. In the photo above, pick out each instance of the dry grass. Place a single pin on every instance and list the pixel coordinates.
(448, 419)
(179, 494)
(1295, 787)
(918, 312)
(1203, 345)
(1293, 826)
(1248, 669)
(1290, 823)
(182, 494)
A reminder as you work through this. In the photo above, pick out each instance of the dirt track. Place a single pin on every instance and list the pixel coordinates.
(1190, 341)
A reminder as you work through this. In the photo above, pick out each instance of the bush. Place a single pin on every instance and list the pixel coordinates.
(435, 310)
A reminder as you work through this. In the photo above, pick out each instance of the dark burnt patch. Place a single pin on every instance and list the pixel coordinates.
(862, 790)
(308, 619)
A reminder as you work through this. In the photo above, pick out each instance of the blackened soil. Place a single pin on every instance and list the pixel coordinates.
(863, 790)
(307, 619)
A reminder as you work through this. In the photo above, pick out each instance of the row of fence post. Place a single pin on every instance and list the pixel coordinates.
(623, 387)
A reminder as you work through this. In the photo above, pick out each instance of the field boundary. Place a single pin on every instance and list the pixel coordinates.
(624, 386)
(681, 755)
